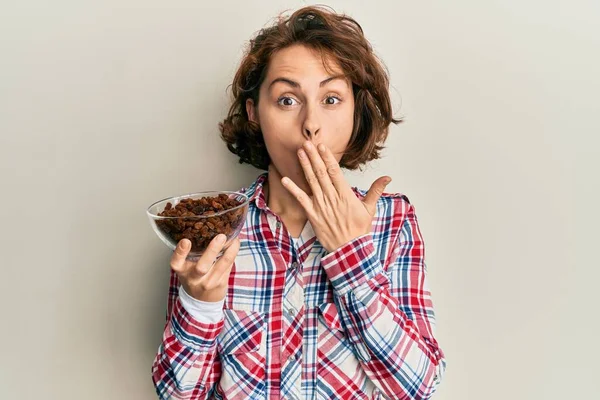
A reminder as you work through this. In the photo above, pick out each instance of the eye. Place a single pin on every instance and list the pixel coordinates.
(330, 100)
(286, 101)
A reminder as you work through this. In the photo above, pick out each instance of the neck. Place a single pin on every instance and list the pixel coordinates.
(280, 200)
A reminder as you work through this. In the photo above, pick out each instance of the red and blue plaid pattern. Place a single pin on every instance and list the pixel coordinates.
(302, 323)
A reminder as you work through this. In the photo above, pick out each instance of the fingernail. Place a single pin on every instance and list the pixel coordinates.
(221, 238)
(302, 154)
(185, 244)
(322, 147)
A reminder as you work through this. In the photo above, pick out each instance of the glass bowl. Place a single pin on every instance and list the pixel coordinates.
(199, 217)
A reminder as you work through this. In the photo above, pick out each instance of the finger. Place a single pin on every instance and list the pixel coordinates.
(375, 192)
(178, 259)
(311, 178)
(219, 273)
(210, 254)
(319, 168)
(333, 169)
(223, 266)
(298, 193)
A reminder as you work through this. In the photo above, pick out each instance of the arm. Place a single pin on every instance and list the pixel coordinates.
(388, 314)
(186, 365)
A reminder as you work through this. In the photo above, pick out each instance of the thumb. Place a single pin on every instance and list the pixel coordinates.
(375, 192)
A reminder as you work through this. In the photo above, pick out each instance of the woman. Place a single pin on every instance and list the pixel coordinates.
(324, 293)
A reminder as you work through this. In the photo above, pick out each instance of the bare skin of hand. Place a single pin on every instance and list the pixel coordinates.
(334, 211)
(207, 278)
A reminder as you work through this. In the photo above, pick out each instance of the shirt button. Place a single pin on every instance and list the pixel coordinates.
(278, 224)
(294, 264)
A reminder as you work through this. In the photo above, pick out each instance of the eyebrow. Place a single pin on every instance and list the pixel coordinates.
(296, 84)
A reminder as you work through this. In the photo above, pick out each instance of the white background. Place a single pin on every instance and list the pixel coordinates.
(108, 106)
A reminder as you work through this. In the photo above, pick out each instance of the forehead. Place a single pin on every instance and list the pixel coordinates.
(301, 61)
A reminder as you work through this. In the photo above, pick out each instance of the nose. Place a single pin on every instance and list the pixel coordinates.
(308, 132)
(311, 125)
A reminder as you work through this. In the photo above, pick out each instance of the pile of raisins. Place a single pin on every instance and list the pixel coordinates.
(200, 231)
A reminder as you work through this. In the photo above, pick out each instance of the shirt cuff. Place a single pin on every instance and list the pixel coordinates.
(209, 312)
(352, 264)
(191, 332)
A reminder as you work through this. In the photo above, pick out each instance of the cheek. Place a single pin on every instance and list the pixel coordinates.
(342, 125)
(281, 130)
(271, 124)
(278, 135)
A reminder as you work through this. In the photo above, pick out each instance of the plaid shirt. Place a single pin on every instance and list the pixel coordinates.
(302, 323)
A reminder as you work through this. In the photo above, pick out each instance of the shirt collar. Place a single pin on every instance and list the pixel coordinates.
(256, 191)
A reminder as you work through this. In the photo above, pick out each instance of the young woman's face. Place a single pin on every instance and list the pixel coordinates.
(298, 101)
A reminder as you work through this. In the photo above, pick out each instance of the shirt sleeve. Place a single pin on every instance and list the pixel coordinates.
(209, 312)
(187, 364)
(388, 313)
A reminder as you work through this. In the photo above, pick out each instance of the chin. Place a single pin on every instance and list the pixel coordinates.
(296, 174)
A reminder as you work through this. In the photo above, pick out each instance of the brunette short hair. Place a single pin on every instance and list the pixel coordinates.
(337, 37)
